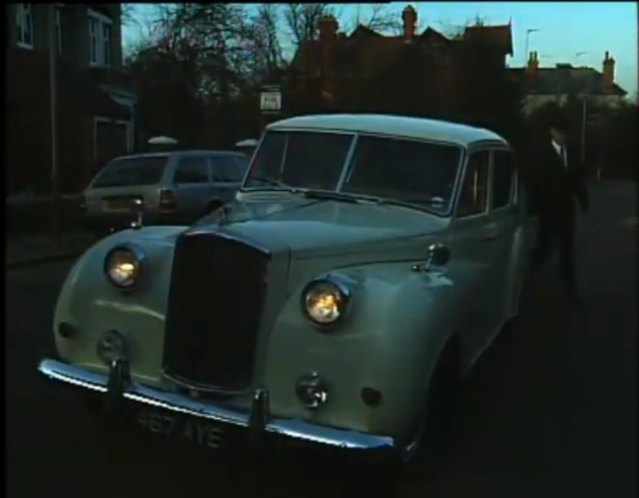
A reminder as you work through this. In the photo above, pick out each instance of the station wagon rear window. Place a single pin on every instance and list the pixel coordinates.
(134, 171)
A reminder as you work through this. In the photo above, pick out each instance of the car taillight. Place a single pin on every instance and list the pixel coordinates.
(167, 200)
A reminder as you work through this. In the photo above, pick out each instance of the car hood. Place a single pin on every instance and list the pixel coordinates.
(311, 227)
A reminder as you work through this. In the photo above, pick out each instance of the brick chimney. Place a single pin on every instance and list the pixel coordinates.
(608, 72)
(409, 16)
(533, 63)
(328, 28)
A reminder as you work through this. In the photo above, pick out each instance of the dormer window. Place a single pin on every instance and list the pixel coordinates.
(99, 39)
(24, 25)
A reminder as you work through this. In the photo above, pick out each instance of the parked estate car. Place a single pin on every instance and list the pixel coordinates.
(366, 260)
(168, 187)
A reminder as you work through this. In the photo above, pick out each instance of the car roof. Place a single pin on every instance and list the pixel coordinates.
(399, 126)
(181, 153)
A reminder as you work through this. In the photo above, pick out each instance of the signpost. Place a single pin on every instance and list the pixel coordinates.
(271, 100)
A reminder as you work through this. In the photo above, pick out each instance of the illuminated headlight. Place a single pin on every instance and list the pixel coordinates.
(111, 346)
(123, 266)
(325, 301)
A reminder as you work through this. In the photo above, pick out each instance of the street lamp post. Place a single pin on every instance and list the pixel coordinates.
(528, 31)
(55, 194)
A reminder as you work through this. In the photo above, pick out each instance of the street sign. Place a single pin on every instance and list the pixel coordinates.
(271, 101)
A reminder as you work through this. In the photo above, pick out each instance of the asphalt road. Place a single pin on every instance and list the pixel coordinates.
(550, 410)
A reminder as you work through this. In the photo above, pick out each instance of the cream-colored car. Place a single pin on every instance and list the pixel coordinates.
(364, 256)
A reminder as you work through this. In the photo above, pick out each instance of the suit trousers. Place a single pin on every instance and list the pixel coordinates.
(557, 228)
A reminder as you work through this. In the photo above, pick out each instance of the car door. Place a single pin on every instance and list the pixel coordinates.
(472, 239)
(505, 218)
(192, 179)
(225, 177)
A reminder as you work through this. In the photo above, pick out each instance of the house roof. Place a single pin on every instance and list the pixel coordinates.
(366, 52)
(498, 37)
(563, 80)
(397, 126)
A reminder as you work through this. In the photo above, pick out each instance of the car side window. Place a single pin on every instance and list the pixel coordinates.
(502, 179)
(473, 198)
(242, 163)
(193, 169)
(224, 169)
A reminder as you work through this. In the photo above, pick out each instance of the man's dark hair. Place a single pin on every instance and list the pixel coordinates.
(559, 121)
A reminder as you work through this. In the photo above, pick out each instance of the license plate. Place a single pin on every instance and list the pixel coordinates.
(189, 430)
(118, 205)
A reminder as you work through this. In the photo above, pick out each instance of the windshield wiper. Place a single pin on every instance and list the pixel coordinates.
(333, 196)
(271, 181)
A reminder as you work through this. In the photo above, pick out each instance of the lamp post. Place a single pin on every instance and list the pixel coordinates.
(528, 31)
(55, 194)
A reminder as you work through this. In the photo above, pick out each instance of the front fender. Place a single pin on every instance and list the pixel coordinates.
(390, 340)
(92, 305)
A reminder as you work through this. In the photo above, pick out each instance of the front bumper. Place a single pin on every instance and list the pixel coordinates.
(250, 420)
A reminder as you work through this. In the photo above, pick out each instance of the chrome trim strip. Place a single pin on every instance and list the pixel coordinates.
(296, 429)
(205, 388)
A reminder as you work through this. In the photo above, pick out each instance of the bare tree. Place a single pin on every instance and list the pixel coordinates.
(302, 20)
(380, 19)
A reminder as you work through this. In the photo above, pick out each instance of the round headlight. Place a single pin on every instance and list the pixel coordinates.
(324, 302)
(123, 266)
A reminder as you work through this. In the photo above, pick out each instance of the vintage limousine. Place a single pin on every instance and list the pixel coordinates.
(365, 263)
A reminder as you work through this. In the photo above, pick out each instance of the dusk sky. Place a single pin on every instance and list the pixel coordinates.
(575, 32)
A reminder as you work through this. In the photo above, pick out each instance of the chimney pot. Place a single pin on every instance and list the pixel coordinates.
(328, 27)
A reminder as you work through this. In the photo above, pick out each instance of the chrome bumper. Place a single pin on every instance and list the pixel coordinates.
(174, 402)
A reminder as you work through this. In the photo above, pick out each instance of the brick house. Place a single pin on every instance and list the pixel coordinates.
(95, 108)
(553, 85)
(412, 74)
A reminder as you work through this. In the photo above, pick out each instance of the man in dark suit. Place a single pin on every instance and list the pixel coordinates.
(558, 180)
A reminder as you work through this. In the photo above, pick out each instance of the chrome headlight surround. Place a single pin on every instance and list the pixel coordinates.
(132, 260)
(338, 290)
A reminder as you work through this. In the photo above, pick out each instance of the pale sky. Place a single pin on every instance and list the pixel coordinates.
(575, 32)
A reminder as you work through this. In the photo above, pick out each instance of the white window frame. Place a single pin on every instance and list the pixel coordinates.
(24, 16)
(58, 26)
(103, 53)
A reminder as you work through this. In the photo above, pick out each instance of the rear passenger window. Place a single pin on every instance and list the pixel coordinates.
(192, 170)
(502, 178)
(225, 169)
(474, 195)
(242, 164)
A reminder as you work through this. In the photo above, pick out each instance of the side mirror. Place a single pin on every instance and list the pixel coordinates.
(438, 254)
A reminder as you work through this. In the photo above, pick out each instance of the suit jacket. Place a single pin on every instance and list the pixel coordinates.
(555, 187)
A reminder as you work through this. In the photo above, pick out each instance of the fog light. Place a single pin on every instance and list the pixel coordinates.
(311, 391)
(111, 346)
(66, 330)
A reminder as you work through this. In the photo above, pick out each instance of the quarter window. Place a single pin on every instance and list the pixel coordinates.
(99, 39)
(474, 195)
(24, 25)
(502, 178)
(192, 170)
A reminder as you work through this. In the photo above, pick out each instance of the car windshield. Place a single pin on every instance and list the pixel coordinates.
(132, 171)
(419, 174)
(407, 171)
(299, 160)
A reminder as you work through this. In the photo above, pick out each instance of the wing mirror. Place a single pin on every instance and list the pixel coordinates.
(438, 255)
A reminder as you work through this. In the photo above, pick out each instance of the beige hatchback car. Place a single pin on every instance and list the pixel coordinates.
(364, 265)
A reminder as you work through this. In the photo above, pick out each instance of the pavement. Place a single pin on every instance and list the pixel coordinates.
(550, 410)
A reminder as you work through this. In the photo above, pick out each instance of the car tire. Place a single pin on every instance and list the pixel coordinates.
(427, 443)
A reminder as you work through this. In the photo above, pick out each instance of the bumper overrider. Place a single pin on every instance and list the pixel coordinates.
(118, 387)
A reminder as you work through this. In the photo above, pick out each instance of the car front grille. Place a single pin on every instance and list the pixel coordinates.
(218, 287)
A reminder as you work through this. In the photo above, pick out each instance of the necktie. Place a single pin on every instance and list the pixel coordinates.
(562, 153)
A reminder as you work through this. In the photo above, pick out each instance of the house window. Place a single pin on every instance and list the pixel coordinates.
(24, 25)
(99, 39)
